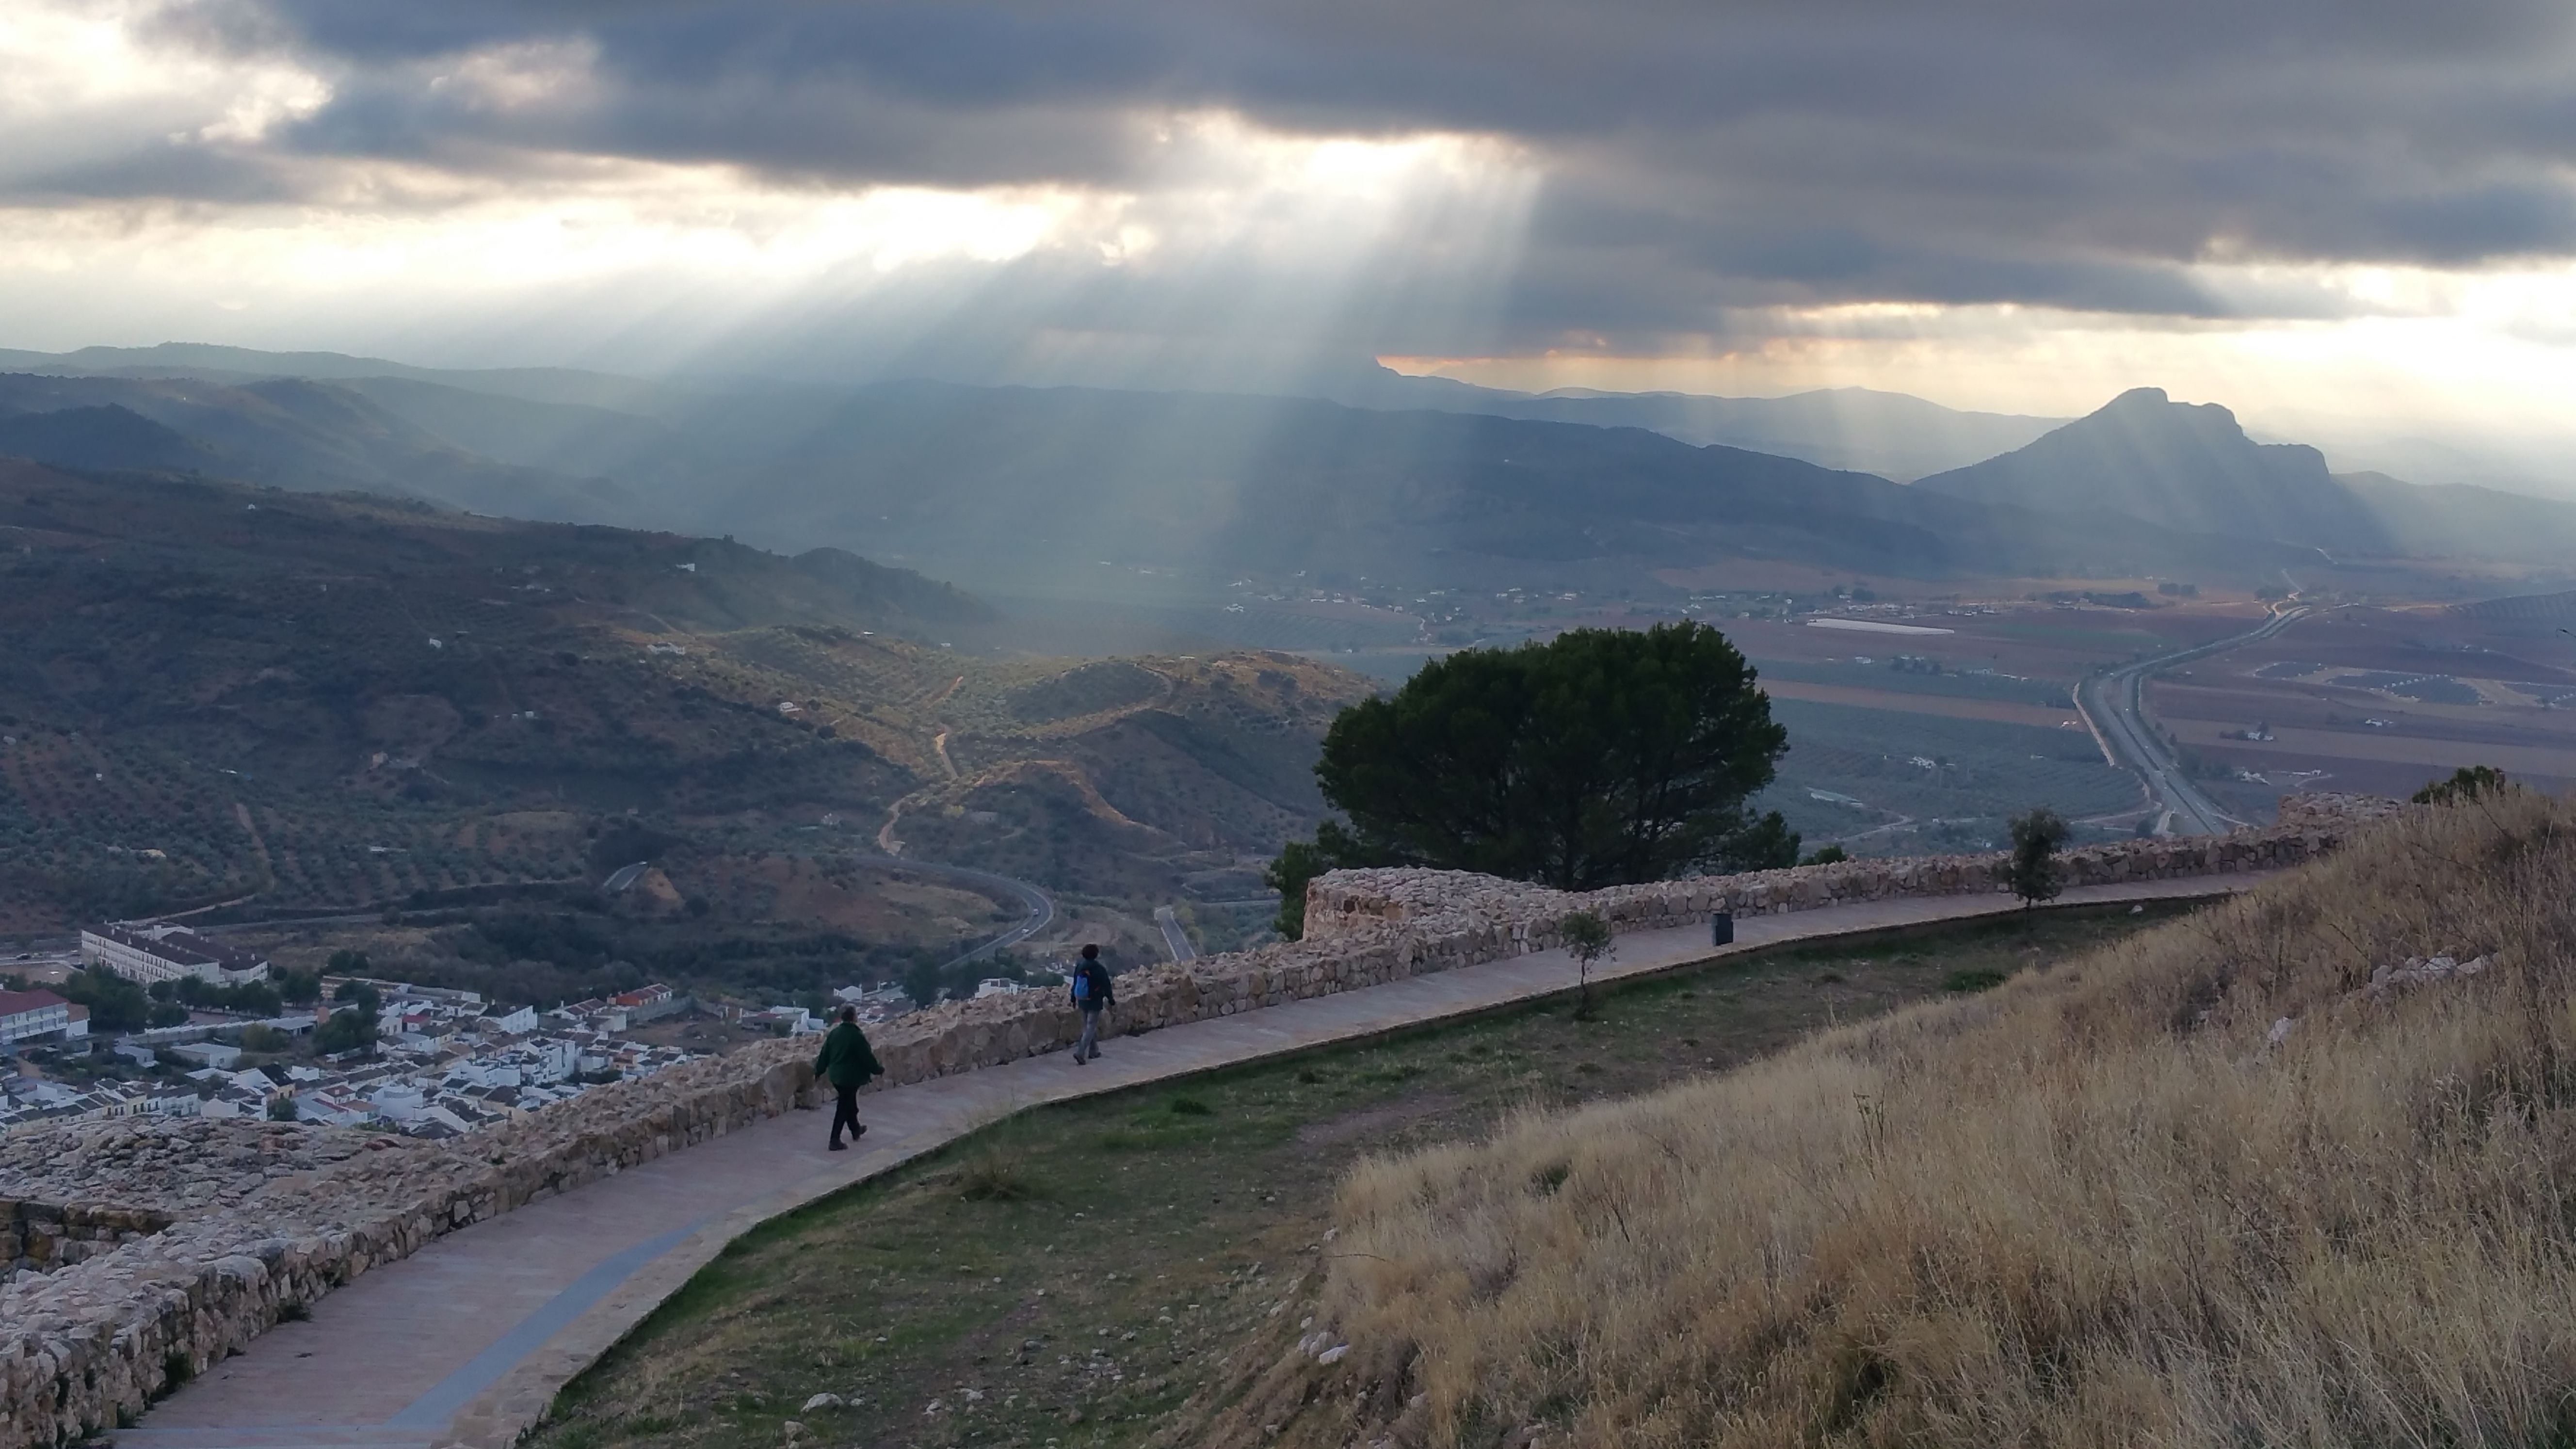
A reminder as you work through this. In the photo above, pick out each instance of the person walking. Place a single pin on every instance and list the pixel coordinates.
(846, 1061)
(1092, 995)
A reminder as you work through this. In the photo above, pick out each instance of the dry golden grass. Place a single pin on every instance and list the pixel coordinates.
(2092, 1207)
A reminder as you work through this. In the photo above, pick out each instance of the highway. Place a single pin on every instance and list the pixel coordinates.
(1175, 940)
(2114, 704)
(1041, 907)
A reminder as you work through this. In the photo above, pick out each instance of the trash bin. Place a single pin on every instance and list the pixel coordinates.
(1721, 929)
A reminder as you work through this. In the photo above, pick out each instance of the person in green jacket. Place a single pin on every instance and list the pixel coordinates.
(846, 1061)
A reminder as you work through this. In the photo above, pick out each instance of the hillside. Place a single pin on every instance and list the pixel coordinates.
(2459, 520)
(1891, 434)
(2178, 465)
(216, 691)
(2261, 1176)
(1212, 1195)
(284, 432)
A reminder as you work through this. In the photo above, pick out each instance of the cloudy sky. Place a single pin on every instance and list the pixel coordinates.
(2356, 214)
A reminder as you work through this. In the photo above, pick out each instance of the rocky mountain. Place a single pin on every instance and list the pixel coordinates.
(2180, 466)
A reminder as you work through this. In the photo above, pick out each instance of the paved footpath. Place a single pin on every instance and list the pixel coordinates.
(466, 1342)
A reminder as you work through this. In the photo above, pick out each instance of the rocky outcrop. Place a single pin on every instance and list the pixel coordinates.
(257, 1219)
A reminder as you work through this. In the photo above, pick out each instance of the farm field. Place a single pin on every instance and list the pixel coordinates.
(1112, 1272)
(1996, 711)
(1915, 784)
(2379, 699)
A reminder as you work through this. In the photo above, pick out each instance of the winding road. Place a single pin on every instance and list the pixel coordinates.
(1041, 906)
(2114, 704)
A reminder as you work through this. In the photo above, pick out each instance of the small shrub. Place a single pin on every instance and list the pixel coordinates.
(2034, 873)
(1188, 1107)
(1587, 938)
(2466, 783)
(1973, 980)
(996, 1175)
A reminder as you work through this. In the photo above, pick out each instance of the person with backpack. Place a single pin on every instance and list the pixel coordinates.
(1092, 995)
(846, 1061)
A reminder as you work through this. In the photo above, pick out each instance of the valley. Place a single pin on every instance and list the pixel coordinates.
(291, 700)
(256, 706)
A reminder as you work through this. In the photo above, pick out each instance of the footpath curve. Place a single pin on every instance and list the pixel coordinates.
(466, 1342)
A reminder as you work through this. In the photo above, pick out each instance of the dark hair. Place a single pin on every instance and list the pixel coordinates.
(1090, 953)
(849, 1013)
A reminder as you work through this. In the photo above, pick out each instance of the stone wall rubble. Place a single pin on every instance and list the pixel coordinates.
(261, 1218)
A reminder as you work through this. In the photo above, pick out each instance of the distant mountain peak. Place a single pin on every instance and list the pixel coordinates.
(2187, 466)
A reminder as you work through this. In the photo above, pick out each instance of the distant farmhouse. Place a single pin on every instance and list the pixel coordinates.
(39, 1016)
(140, 951)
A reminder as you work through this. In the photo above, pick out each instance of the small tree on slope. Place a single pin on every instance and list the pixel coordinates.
(2033, 872)
(1587, 936)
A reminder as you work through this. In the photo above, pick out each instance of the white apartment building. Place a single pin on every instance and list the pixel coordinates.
(27, 1015)
(149, 952)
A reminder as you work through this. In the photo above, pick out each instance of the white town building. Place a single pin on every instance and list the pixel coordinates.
(149, 952)
(30, 1015)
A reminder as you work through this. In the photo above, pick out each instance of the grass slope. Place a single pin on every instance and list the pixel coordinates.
(1111, 1271)
(2112, 1203)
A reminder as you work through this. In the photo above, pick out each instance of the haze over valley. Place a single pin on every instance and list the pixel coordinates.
(818, 558)
(1439, 727)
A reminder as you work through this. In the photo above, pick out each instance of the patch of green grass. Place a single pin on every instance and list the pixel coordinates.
(1168, 1230)
(1978, 979)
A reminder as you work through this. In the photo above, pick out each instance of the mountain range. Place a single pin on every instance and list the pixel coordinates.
(1855, 429)
(1434, 483)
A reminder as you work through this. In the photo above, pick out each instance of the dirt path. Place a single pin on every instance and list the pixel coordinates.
(258, 846)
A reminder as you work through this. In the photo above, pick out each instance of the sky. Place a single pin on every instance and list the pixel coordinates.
(2355, 219)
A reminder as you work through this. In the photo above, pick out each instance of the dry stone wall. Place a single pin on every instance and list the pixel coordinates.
(260, 1218)
(40, 1237)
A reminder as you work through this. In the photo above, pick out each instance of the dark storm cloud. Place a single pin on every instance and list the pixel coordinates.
(1699, 157)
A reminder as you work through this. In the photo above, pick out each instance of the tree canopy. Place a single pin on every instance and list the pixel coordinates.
(1602, 757)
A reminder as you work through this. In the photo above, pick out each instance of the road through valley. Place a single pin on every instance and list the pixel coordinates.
(2114, 704)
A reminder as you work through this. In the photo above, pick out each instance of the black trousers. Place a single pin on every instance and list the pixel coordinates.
(845, 1111)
